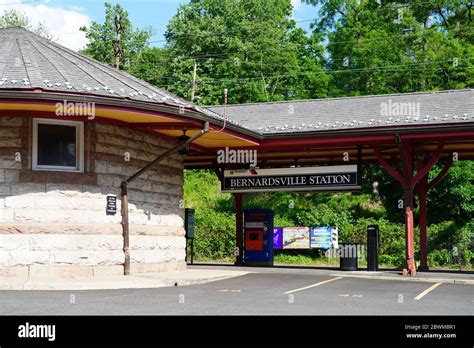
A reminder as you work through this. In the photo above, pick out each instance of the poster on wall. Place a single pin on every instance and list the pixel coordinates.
(296, 237)
(324, 237)
(278, 238)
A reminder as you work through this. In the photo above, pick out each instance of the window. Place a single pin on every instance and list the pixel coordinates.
(58, 145)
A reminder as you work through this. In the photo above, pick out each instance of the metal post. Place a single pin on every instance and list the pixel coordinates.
(125, 227)
(192, 251)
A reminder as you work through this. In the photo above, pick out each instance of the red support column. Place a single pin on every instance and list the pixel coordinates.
(239, 218)
(422, 191)
(404, 175)
(409, 235)
(406, 156)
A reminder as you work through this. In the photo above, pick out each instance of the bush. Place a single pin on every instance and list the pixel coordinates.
(440, 258)
(215, 234)
(443, 238)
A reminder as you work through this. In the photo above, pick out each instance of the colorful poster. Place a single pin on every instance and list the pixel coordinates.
(296, 237)
(324, 237)
(321, 237)
(278, 238)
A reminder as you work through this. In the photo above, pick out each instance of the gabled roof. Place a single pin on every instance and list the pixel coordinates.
(364, 112)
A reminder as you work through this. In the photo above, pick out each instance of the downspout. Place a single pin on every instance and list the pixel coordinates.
(124, 185)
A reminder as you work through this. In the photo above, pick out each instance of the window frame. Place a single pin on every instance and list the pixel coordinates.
(79, 146)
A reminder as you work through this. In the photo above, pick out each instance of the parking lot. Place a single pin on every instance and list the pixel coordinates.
(264, 292)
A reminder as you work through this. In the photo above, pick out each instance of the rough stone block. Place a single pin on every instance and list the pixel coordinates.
(87, 257)
(27, 188)
(25, 201)
(23, 257)
(69, 190)
(157, 267)
(49, 242)
(12, 175)
(10, 242)
(111, 270)
(5, 189)
(17, 271)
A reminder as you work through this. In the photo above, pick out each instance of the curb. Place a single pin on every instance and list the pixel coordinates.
(415, 279)
(134, 282)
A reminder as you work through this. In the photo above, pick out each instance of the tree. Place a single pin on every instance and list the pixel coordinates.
(115, 41)
(13, 18)
(377, 47)
(252, 48)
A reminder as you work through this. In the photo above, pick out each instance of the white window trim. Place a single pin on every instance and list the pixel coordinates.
(79, 145)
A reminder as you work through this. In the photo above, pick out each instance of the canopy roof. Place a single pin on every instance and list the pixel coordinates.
(364, 112)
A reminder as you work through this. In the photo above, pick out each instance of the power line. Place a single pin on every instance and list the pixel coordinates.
(361, 40)
(392, 68)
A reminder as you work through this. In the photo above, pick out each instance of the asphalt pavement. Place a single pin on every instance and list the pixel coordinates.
(275, 291)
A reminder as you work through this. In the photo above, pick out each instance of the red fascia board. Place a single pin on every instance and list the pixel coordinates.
(189, 125)
(233, 133)
(325, 141)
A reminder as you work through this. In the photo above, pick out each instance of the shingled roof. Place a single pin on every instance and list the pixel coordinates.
(365, 112)
(29, 61)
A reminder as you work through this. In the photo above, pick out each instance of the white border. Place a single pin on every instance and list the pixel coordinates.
(79, 168)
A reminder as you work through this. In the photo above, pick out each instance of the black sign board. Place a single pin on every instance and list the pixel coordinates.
(111, 205)
(189, 222)
(325, 178)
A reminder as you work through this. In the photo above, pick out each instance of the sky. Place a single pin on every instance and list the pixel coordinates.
(63, 18)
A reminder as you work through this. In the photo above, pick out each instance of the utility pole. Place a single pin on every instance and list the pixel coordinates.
(118, 44)
(193, 90)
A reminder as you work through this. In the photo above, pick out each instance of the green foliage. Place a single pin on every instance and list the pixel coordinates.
(103, 41)
(452, 239)
(215, 234)
(396, 46)
(13, 18)
(456, 192)
(252, 48)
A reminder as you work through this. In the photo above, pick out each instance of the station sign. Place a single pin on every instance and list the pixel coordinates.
(324, 178)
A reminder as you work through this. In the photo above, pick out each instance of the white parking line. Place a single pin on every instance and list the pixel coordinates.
(431, 288)
(312, 286)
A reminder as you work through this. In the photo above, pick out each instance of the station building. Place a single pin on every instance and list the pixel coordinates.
(73, 131)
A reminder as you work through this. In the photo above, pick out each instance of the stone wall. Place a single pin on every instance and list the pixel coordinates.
(54, 223)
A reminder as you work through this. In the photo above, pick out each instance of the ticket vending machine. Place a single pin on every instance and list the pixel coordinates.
(258, 237)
